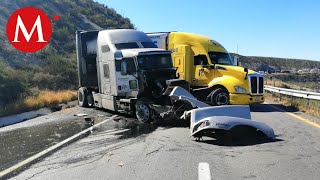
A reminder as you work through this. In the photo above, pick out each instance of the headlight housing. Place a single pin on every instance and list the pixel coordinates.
(240, 89)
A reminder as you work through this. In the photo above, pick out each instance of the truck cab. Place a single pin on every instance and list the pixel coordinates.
(122, 70)
(213, 75)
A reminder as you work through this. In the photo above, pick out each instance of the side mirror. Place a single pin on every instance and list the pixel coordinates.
(236, 61)
(118, 55)
(124, 68)
(246, 70)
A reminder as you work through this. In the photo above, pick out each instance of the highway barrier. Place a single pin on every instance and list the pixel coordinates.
(293, 93)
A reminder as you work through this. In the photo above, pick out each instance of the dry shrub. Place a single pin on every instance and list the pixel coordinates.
(45, 98)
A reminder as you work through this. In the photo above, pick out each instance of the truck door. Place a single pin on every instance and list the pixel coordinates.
(181, 55)
(106, 86)
(105, 69)
(201, 70)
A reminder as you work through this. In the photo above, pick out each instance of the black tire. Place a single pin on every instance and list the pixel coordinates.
(219, 97)
(82, 97)
(143, 111)
(90, 100)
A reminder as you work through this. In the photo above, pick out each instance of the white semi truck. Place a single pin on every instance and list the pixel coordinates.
(123, 70)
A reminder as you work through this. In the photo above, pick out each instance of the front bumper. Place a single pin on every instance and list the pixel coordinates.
(243, 99)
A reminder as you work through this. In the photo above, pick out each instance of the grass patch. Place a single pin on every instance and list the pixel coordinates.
(44, 98)
(278, 83)
(305, 82)
(311, 107)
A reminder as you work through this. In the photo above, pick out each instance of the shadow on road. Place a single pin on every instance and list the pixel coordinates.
(244, 142)
(268, 108)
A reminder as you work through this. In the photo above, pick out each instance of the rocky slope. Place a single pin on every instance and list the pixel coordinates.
(54, 67)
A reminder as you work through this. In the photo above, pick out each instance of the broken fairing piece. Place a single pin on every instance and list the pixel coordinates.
(213, 120)
(181, 94)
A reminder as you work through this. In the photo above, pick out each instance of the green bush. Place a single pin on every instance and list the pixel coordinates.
(11, 87)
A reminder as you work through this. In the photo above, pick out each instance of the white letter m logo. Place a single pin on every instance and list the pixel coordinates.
(27, 36)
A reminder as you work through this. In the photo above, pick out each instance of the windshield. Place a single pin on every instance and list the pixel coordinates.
(149, 45)
(220, 58)
(132, 45)
(155, 61)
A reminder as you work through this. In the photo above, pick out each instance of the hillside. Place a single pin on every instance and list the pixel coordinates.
(300, 81)
(255, 62)
(53, 68)
(74, 15)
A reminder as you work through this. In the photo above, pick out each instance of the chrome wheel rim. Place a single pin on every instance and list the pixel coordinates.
(222, 99)
(143, 113)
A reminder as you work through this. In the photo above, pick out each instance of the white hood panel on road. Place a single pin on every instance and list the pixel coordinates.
(206, 117)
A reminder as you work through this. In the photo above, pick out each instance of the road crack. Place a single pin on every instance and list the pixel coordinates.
(51, 168)
(155, 151)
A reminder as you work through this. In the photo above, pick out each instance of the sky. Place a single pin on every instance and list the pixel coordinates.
(273, 28)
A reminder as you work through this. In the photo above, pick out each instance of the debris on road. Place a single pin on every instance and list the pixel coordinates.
(120, 163)
(217, 121)
(81, 115)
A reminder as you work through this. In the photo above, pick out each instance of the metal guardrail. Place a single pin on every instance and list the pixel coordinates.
(291, 92)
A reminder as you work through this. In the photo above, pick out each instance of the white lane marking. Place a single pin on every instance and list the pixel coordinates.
(50, 149)
(204, 171)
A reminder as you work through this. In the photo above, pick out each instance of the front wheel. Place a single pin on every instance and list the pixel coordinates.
(219, 97)
(143, 111)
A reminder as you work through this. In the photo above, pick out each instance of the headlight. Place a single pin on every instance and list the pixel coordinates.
(240, 89)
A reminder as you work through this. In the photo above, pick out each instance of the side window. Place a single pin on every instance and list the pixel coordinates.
(131, 67)
(149, 45)
(118, 66)
(200, 60)
(106, 71)
(105, 48)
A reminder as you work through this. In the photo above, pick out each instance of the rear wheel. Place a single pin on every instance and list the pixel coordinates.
(219, 97)
(82, 97)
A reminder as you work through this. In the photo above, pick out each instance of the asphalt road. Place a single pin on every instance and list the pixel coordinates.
(146, 152)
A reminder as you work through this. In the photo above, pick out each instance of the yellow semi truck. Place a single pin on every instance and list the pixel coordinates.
(213, 75)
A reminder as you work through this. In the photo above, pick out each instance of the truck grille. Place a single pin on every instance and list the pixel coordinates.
(256, 84)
